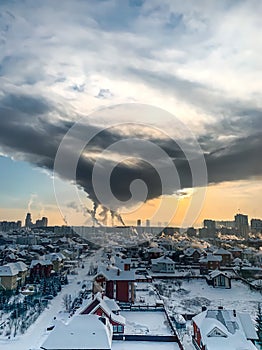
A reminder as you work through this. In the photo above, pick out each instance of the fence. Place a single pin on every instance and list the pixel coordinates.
(143, 337)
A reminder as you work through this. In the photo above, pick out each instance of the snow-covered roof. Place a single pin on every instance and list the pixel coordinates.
(222, 251)
(190, 251)
(82, 332)
(226, 329)
(247, 325)
(21, 266)
(55, 256)
(41, 262)
(216, 273)
(210, 257)
(162, 259)
(235, 249)
(111, 303)
(120, 262)
(105, 304)
(9, 270)
(115, 274)
(155, 250)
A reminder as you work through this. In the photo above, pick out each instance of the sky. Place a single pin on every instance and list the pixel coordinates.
(161, 100)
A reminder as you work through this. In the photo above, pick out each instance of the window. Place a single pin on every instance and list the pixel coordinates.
(216, 332)
(120, 329)
(115, 329)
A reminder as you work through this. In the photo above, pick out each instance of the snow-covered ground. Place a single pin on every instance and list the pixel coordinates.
(130, 345)
(194, 294)
(146, 322)
(145, 294)
(36, 333)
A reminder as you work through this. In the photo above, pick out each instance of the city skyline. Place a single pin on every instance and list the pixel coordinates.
(196, 64)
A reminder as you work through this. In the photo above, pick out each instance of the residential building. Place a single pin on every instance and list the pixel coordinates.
(256, 225)
(40, 268)
(219, 279)
(57, 260)
(85, 332)
(190, 255)
(103, 306)
(223, 329)
(210, 225)
(225, 254)
(209, 262)
(163, 265)
(241, 225)
(117, 284)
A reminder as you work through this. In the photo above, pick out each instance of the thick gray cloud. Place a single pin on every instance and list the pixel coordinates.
(35, 137)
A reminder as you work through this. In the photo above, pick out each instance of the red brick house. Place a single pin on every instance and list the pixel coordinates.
(103, 306)
(40, 268)
(117, 284)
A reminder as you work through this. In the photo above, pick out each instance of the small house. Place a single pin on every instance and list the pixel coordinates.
(219, 279)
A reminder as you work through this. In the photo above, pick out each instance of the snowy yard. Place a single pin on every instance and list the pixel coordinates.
(193, 294)
(146, 322)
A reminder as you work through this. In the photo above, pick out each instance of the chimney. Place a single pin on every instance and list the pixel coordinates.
(118, 272)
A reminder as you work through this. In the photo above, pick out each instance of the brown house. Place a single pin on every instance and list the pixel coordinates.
(226, 256)
(209, 262)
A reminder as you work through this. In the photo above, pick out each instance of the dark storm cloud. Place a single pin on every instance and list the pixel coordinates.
(27, 132)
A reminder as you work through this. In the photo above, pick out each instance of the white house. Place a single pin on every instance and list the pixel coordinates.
(163, 264)
(223, 329)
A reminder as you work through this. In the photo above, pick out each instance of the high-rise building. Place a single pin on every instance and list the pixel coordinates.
(241, 224)
(256, 225)
(44, 221)
(41, 223)
(28, 220)
(210, 226)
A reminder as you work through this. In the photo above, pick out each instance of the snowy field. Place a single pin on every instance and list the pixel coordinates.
(193, 294)
(146, 322)
(130, 345)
